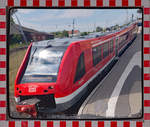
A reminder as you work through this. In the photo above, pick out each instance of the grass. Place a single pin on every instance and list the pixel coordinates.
(17, 45)
(15, 60)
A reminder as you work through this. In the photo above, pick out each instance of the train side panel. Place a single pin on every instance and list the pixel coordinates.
(22, 67)
(67, 71)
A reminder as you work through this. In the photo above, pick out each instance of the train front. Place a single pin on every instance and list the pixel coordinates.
(36, 79)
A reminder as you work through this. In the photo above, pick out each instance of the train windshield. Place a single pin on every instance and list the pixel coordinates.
(43, 65)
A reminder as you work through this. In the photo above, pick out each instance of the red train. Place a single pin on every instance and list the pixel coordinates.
(55, 74)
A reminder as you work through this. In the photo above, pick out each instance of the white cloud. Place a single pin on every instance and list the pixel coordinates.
(58, 14)
(56, 19)
(25, 11)
(75, 13)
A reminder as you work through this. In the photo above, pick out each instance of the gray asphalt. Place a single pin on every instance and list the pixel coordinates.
(129, 103)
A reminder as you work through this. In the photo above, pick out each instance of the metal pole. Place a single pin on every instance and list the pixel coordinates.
(132, 17)
(73, 28)
(127, 16)
(20, 28)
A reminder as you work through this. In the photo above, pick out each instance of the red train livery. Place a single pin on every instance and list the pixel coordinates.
(54, 74)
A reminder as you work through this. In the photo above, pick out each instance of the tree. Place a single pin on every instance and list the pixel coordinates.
(99, 29)
(84, 33)
(107, 29)
(115, 27)
(15, 38)
(65, 33)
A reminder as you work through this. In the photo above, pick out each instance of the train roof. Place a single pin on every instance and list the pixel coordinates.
(57, 42)
(66, 41)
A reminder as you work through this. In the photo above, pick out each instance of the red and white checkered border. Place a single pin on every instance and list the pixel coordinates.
(75, 3)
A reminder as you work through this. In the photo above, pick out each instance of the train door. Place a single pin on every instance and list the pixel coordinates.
(80, 70)
(116, 46)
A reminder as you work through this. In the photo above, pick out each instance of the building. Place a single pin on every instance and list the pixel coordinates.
(31, 34)
(75, 33)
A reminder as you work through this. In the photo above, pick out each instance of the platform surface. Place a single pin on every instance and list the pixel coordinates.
(119, 94)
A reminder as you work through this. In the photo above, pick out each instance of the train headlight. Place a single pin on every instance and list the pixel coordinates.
(51, 87)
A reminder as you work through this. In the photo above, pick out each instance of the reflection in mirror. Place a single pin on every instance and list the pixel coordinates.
(75, 63)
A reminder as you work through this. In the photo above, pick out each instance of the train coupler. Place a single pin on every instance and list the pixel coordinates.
(28, 106)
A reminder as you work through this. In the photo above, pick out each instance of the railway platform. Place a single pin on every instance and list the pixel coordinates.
(119, 94)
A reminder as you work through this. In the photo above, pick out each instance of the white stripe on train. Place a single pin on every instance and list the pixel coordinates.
(71, 96)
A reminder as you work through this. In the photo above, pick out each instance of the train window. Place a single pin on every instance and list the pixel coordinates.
(123, 39)
(43, 65)
(96, 53)
(105, 50)
(80, 70)
(111, 46)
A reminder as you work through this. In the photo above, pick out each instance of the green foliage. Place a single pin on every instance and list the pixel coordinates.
(84, 33)
(60, 34)
(15, 38)
(115, 27)
(99, 29)
(65, 33)
(15, 41)
(107, 29)
(17, 45)
(11, 20)
(56, 34)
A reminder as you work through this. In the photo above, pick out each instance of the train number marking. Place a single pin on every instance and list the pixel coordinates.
(32, 89)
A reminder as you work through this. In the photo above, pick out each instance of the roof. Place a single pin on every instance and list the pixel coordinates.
(14, 29)
(75, 32)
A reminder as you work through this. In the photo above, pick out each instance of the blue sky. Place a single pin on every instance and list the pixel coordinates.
(51, 20)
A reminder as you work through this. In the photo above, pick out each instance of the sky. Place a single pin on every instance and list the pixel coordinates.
(52, 20)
